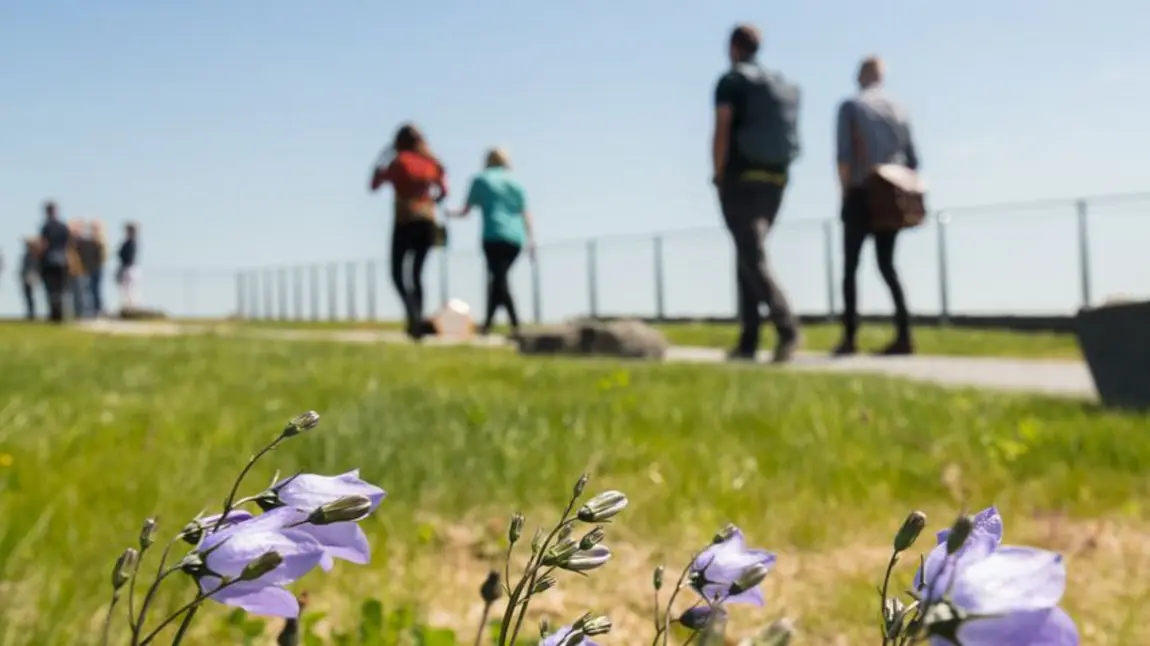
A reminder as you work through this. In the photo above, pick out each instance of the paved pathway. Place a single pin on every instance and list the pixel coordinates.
(1053, 377)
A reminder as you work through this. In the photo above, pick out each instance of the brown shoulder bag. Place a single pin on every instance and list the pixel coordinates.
(896, 195)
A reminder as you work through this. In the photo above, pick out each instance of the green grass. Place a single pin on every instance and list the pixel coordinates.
(98, 432)
(823, 337)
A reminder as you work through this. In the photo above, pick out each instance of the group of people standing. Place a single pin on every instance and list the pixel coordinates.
(754, 144)
(420, 184)
(68, 259)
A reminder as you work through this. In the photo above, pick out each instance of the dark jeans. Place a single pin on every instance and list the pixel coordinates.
(855, 232)
(749, 209)
(55, 283)
(95, 292)
(78, 290)
(29, 299)
(410, 244)
(500, 258)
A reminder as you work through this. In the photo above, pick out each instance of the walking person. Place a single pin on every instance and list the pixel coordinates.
(92, 249)
(77, 273)
(30, 276)
(420, 183)
(873, 129)
(755, 141)
(54, 242)
(507, 228)
(128, 273)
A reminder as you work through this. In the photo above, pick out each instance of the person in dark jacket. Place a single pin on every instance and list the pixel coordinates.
(55, 239)
(92, 252)
(127, 275)
(30, 276)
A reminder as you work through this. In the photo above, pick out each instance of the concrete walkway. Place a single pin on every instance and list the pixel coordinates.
(1051, 377)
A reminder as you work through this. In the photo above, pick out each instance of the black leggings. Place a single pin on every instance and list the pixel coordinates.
(411, 240)
(855, 233)
(500, 258)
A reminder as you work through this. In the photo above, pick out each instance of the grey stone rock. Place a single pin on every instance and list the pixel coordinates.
(630, 339)
(1115, 340)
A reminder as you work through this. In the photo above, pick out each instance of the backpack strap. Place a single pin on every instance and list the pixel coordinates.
(858, 144)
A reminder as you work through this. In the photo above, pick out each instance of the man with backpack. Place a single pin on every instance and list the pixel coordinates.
(755, 142)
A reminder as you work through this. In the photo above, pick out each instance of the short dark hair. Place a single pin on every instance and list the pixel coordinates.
(746, 38)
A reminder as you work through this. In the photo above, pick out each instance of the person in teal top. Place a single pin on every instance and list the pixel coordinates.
(507, 228)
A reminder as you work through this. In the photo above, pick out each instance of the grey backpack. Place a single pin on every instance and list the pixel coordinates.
(768, 132)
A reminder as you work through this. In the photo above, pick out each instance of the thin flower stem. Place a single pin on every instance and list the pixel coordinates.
(132, 593)
(187, 622)
(136, 622)
(200, 598)
(655, 606)
(507, 570)
(482, 624)
(665, 632)
(535, 570)
(228, 502)
(885, 588)
(108, 618)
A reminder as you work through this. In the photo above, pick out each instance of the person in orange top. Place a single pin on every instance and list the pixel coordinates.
(420, 183)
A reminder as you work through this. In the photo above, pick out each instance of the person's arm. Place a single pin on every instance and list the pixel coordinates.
(845, 146)
(911, 149)
(381, 176)
(726, 95)
(473, 198)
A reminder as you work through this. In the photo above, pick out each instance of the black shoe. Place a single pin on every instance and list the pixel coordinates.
(741, 354)
(900, 347)
(788, 345)
(845, 348)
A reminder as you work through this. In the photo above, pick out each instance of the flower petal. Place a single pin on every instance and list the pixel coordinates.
(308, 491)
(940, 568)
(344, 541)
(1051, 627)
(556, 638)
(231, 550)
(721, 564)
(1012, 579)
(255, 598)
(988, 521)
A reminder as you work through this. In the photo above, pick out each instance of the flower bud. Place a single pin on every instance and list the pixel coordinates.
(544, 627)
(592, 538)
(560, 552)
(657, 578)
(147, 532)
(908, 533)
(749, 578)
(515, 528)
(543, 584)
(597, 626)
(192, 533)
(300, 423)
(564, 532)
(491, 590)
(122, 571)
(345, 509)
(261, 565)
(537, 540)
(724, 534)
(696, 618)
(578, 625)
(778, 633)
(961, 531)
(602, 507)
(587, 560)
(580, 485)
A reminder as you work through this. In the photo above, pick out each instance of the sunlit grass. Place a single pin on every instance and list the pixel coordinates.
(98, 432)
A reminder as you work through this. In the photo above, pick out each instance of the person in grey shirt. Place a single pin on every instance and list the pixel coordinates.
(872, 129)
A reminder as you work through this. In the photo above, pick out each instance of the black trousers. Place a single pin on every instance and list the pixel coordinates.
(501, 258)
(55, 283)
(29, 299)
(749, 210)
(855, 232)
(410, 244)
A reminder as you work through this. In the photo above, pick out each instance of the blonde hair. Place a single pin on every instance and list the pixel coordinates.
(96, 230)
(498, 158)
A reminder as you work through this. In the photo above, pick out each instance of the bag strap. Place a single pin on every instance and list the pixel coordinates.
(858, 145)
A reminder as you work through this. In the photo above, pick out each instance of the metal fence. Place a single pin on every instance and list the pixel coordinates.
(1048, 257)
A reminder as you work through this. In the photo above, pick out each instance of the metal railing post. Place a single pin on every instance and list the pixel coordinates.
(593, 277)
(941, 222)
(444, 280)
(332, 292)
(352, 292)
(254, 289)
(282, 285)
(241, 303)
(660, 287)
(1084, 251)
(829, 266)
(536, 290)
(313, 291)
(269, 294)
(297, 293)
(370, 286)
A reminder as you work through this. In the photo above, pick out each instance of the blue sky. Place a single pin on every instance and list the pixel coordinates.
(241, 134)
